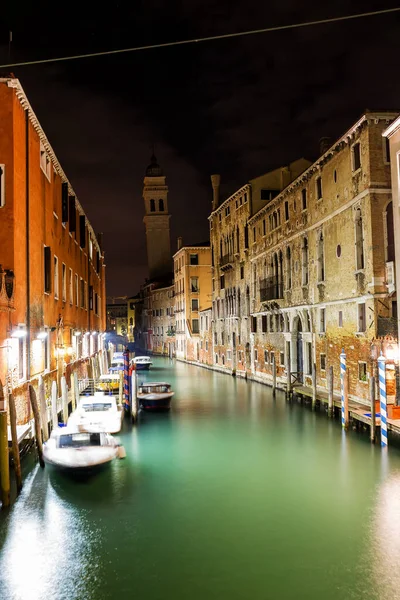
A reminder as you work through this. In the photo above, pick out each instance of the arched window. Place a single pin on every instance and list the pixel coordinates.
(237, 240)
(321, 259)
(359, 240)
(389, 233)
(288, 268)
(304, 262)
(247, 300)
(161, 205)
(152, 205)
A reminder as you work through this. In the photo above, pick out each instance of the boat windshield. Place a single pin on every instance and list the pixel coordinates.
(155, 389)
(77, 440)
(97, 406)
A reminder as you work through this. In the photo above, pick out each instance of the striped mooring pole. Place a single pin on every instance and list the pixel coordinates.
(383, 399)
(126, 379)
(342, 384)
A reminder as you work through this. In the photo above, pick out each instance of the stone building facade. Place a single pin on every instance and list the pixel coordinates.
(231, 243)
(305, 274)
(192, 281)
(52, 292)
(206, 345)
(163, 320)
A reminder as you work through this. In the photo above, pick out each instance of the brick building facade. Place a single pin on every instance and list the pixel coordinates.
(53, 273)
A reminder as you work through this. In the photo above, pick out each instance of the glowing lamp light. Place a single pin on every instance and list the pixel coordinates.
(94, 333)
(20, 332)
(77, 333)
(70, 351)
(87, 333)
(60, 351)
(390, 352)
(42, 335)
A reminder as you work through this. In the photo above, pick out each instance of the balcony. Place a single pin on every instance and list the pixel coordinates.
(271, 289)
(226, 262)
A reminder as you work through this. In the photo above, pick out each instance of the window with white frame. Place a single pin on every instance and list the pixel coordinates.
(2, 186)
(195, 304)
(56, 280)
(82, 294)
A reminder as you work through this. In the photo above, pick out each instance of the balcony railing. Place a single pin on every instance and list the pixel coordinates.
(226, 262)
(271, 289)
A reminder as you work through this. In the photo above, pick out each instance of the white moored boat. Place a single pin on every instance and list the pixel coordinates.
(155, 395)
(98, 413)
(107, 383)
(142, 362)
(76, 451)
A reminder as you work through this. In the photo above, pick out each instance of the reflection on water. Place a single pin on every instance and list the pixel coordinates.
(233, 494)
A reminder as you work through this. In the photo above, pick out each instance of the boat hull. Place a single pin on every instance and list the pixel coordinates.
(140, 367)
(156, 402)
(79, 461)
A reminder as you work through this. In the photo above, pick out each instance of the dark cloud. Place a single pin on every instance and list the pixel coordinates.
(238, 107)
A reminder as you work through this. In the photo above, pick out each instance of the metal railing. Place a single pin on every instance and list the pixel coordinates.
(271, 289)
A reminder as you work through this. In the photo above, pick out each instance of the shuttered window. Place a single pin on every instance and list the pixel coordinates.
(64, 202)
(47, 269)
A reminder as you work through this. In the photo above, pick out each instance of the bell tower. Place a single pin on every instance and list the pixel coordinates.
(156, 220)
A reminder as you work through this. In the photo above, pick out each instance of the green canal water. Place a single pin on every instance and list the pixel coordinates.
(231, 495)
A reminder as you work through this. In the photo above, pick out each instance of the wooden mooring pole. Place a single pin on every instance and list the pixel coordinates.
(64, 394)
(273, 375)
(373, 415)
(314, 385)
(43, 409)
(54, 413)
(4, 458)
(330, 392)
(14, 439)
(288, 374)
(38, 430)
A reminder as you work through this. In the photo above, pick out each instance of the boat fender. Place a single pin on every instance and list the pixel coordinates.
(121, 452)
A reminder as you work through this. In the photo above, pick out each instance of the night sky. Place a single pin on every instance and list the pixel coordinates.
(237, 107)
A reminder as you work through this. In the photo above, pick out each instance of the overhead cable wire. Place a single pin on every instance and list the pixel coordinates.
(211, 38)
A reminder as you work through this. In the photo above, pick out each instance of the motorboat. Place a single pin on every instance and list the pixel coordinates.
(118, 355)
(117, 365)
(142, 363)
(155, 395)
(74, 450)
(98, 413)
(107, 383)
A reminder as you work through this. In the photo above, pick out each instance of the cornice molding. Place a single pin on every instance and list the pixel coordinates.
(22, 97)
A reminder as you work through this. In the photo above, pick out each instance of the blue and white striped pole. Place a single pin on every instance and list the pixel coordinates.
(342, 387)
(383, 399)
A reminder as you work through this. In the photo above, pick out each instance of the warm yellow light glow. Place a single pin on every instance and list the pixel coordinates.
(392, 352)
(70, 350)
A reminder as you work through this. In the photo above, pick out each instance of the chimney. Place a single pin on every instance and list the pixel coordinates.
(179, 243)
(324, 145)
(215, 181)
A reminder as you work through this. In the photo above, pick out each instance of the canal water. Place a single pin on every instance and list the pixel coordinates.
(233, 494)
